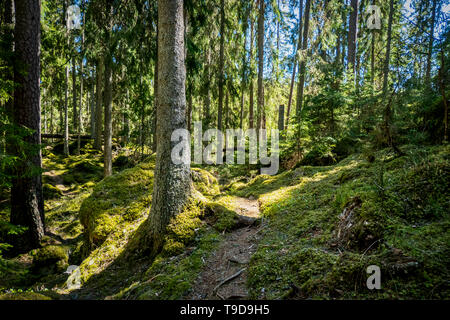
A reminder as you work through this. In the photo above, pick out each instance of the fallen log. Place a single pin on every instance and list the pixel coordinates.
(60, 136)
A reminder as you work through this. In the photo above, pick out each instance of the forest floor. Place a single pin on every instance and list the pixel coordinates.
(224, 275)
(308, 232)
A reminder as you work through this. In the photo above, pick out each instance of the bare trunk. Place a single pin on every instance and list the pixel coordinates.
(299, 45)
(221, 64)
(302, 61)
(27, 204)
(260, 104)
(352, 31)
(250, 106)
(388, 48)
(99, 106)
(172, 181)
(107, 149)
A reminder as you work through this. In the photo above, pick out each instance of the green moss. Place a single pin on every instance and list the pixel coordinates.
(224, 219)
(171, 278)
(50, 259)
(205, 182)
(50, 192)
(24, 296)
(121, 197)
(400, 222)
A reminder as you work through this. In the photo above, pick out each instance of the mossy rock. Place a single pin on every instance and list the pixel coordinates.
(223, 219)
(87, 166)
(50, 259)
(123, 162)
(125, 196)
(23, 296)
(50, 192)
(205, 182)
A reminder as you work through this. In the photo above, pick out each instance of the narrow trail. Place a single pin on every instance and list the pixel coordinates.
(225, 273)
(57, 181)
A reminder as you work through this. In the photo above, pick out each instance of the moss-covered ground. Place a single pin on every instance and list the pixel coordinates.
(323, 225)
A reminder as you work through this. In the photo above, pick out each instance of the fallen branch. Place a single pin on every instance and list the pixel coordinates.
(237, 274)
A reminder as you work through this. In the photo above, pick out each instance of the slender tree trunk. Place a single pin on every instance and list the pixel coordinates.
(98, 106)
(251, 103)
(27, 204)
(301, 81)
(172, 181)
(80, 123)
(372, 60)
(221, 64)
(107, 149)
(207, 95)
(299, 46)
(66, 114)
(387, 115)
(388, 48)
(352, 32)
(93, 108)
(260, 104)
(155, 91)
(430, 45)
(442, 81)
(74, 94)
(244, 67)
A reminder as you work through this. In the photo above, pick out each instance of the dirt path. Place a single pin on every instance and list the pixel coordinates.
(56, 180)
(225, 273)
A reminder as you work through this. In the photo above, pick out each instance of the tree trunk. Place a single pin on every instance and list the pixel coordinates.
(92, 102)
(260, 104)
(299, 45)
(74, 94)
(80, 124)
(207, 95)
(66, 114)
(221, 64)
(155, 93)
(442, 81)
(172, 181)
(388, 48)
(301, 81)
(98, 106)
(352, 31)
(107, 149)
(250, 106)
(27, 204)
(387, 114)
(430, 46)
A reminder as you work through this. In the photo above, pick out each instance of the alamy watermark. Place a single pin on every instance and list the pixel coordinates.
(374, 280)
(374, 17)
(233, 141)
(73, 17)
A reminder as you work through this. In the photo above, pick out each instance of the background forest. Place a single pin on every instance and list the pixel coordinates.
(364, 159)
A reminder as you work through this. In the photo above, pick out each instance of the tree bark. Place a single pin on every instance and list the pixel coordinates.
(301, 81)
(251, 102)
(221, 64)
(430, 46)
(260, 104)
(74, 94)
(27, 204)
(352, 31)
(207, 95)
(388, 48)
(172, 181)
(299, 45)
(155, 93)
(80, 124)
(99, 104)
(107, 149)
